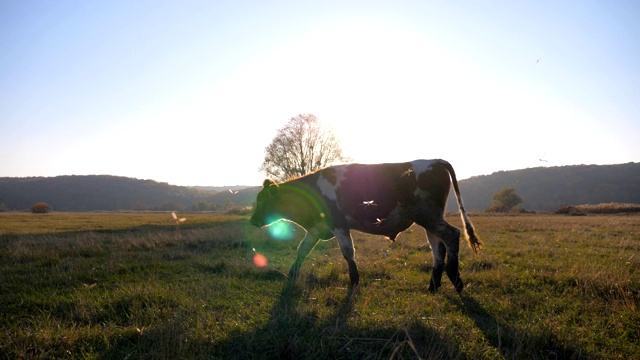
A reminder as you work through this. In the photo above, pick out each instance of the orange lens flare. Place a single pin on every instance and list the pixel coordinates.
(260, 260)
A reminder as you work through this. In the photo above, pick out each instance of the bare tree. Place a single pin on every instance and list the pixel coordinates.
(302, 146)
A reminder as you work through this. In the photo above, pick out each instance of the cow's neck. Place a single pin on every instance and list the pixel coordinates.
(304, 205)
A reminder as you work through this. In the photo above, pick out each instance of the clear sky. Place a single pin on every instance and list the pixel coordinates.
(191, 92)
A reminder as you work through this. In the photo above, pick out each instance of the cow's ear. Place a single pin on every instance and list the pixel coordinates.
(271, 186)
(268, 183)
(273, 189)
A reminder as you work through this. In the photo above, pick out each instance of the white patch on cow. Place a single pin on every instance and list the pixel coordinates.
(343, 236)
(420, 166)
(329, 190)
(434, 240)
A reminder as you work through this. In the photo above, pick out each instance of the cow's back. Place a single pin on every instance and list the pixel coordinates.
(381, 184)
(370, 198)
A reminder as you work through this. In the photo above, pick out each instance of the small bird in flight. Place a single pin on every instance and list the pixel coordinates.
(175, 217)
(407, 172)
(369, 203)
(233, 192)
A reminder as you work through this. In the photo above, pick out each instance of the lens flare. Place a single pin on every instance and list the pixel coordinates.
(281, 230)
(260, 260)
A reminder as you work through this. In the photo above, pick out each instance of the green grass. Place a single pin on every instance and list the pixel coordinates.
(137, 286)
(16, 223)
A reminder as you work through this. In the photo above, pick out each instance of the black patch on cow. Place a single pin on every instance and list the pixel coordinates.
(436, 182)
(330, 175)
(370, 193)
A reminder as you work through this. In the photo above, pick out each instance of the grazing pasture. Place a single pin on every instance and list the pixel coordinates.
(77, 285)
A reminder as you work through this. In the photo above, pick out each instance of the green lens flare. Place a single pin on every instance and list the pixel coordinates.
(281, 230)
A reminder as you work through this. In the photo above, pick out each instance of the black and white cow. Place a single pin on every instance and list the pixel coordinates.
(383, 199)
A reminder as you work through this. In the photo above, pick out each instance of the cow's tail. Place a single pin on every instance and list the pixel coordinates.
(469, 230)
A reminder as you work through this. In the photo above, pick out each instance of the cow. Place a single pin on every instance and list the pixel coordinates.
(382, 199)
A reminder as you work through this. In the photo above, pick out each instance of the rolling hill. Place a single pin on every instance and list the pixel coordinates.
(547, 188)
(109, 193)
(542, 189)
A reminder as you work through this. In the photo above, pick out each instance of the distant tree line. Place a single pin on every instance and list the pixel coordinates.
(112, 193)
(605, 208)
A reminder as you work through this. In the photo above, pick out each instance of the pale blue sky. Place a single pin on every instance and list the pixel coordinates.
(191, 92)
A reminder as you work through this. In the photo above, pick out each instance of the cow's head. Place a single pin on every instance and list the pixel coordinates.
(267, 210)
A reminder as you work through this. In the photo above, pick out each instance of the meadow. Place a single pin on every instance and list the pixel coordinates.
(140, 286)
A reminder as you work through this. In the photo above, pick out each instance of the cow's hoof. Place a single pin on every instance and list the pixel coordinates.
(433, 289)
(459, 285)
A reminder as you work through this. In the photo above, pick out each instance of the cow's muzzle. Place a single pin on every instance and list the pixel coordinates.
(255, 222)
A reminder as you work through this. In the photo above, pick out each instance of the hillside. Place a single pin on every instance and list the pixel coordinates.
(109, 193)
(542, 189)
(547, 188)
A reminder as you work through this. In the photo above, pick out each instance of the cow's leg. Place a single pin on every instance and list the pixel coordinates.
(306, 245)
(346, 245)
(451, 238)
(439, 252)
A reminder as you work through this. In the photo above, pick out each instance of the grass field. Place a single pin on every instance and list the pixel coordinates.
(129, 286)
